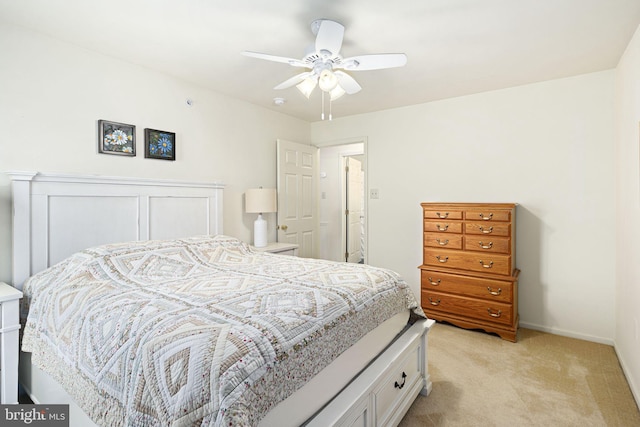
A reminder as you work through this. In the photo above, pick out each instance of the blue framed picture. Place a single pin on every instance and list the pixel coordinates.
(159, 144)
(116, 138)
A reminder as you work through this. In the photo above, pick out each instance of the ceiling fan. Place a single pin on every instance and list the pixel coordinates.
(325, 63)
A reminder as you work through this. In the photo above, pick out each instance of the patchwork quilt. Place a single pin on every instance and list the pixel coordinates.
(198, 331)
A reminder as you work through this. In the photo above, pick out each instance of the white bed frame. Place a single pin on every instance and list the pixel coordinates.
(55, 215)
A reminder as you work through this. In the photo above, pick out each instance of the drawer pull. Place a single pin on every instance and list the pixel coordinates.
(483, 246)
(442, 242)
(492, 314)
(434, 283)
(486, 230)
(442, 228)
(486, 265)
(442, 216)
(486, 218)
(436, 302)
(494, 293)
(404, 379)
(443, 260)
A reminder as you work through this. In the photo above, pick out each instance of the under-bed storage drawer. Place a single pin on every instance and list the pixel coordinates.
(373, 399)
(397, 384)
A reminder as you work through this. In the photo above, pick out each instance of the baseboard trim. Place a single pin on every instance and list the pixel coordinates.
(565, 333)
(634, 388)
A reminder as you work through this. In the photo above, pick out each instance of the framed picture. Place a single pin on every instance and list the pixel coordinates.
(159, 144)
(116, 138)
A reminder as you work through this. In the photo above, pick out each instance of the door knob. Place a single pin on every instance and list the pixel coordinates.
(283, 227)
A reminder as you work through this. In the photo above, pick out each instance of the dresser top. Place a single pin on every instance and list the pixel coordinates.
(470, 205)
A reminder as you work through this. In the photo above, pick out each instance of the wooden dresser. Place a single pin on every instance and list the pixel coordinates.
(468, 275)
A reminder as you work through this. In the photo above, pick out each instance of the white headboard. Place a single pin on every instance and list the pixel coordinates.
(55, 215)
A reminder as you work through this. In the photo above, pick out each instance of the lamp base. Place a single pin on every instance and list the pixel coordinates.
(260, 232)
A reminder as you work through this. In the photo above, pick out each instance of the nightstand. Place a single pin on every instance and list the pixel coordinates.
(9, 327)
(280, 248)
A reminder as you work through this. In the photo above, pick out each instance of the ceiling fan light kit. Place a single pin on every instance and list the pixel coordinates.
(327, 81)
(326, 64)
(307, 86)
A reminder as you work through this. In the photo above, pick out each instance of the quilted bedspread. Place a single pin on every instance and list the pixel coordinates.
(197, 331)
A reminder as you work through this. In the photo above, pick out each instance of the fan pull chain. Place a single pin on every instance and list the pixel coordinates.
(323, 108)
(330, 104)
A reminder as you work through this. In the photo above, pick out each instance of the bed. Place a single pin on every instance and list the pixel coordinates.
(290, 341)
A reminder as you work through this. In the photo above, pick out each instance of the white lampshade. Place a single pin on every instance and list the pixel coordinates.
(261, 200)
(327, 80)
(337, 92)
(307, 86)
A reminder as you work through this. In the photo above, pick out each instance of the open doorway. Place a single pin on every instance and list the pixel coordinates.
(353, 213)
(342, 201)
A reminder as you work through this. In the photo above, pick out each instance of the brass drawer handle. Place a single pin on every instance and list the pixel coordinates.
(492, 314)
(442, 228)
(483, 246)
(442, 216)
(486, 231)
(486, 265)
(442, 243)
(434, 283)
(486, 218)
(436, 302)
(443, 260)
(494, 293)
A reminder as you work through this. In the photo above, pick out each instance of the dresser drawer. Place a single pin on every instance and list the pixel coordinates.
(491, 290)
(488, 228)
(499, 245)
(443, 226)
(487, 215)
(437, 240)
(443, 213)
(471, 261)
(495, 312)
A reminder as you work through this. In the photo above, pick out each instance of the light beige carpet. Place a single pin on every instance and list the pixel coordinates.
(542, 380)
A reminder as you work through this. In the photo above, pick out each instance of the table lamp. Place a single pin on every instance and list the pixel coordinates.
(260, 200)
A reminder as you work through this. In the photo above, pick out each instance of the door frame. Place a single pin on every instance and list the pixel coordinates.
(365, 161)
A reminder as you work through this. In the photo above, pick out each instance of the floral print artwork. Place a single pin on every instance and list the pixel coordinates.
(117, 138)
(160, 144)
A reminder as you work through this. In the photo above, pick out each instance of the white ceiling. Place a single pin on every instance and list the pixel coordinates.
(454, 47)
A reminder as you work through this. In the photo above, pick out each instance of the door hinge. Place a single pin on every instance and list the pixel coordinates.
(346, 212)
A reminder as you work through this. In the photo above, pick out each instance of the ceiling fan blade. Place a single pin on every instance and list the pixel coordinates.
(329, 37)
(290, 61)
(374, 62)
(348, 83)
(293, 80)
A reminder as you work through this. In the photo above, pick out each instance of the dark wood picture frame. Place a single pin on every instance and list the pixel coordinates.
(159, 144)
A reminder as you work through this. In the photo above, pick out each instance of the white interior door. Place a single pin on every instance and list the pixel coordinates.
(297, 182)
(353, 212)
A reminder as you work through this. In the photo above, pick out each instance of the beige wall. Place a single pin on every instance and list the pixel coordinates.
(53, 93)
(627, 331)
(547, 147)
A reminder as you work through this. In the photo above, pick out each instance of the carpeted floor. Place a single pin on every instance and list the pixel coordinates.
(542, 380)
